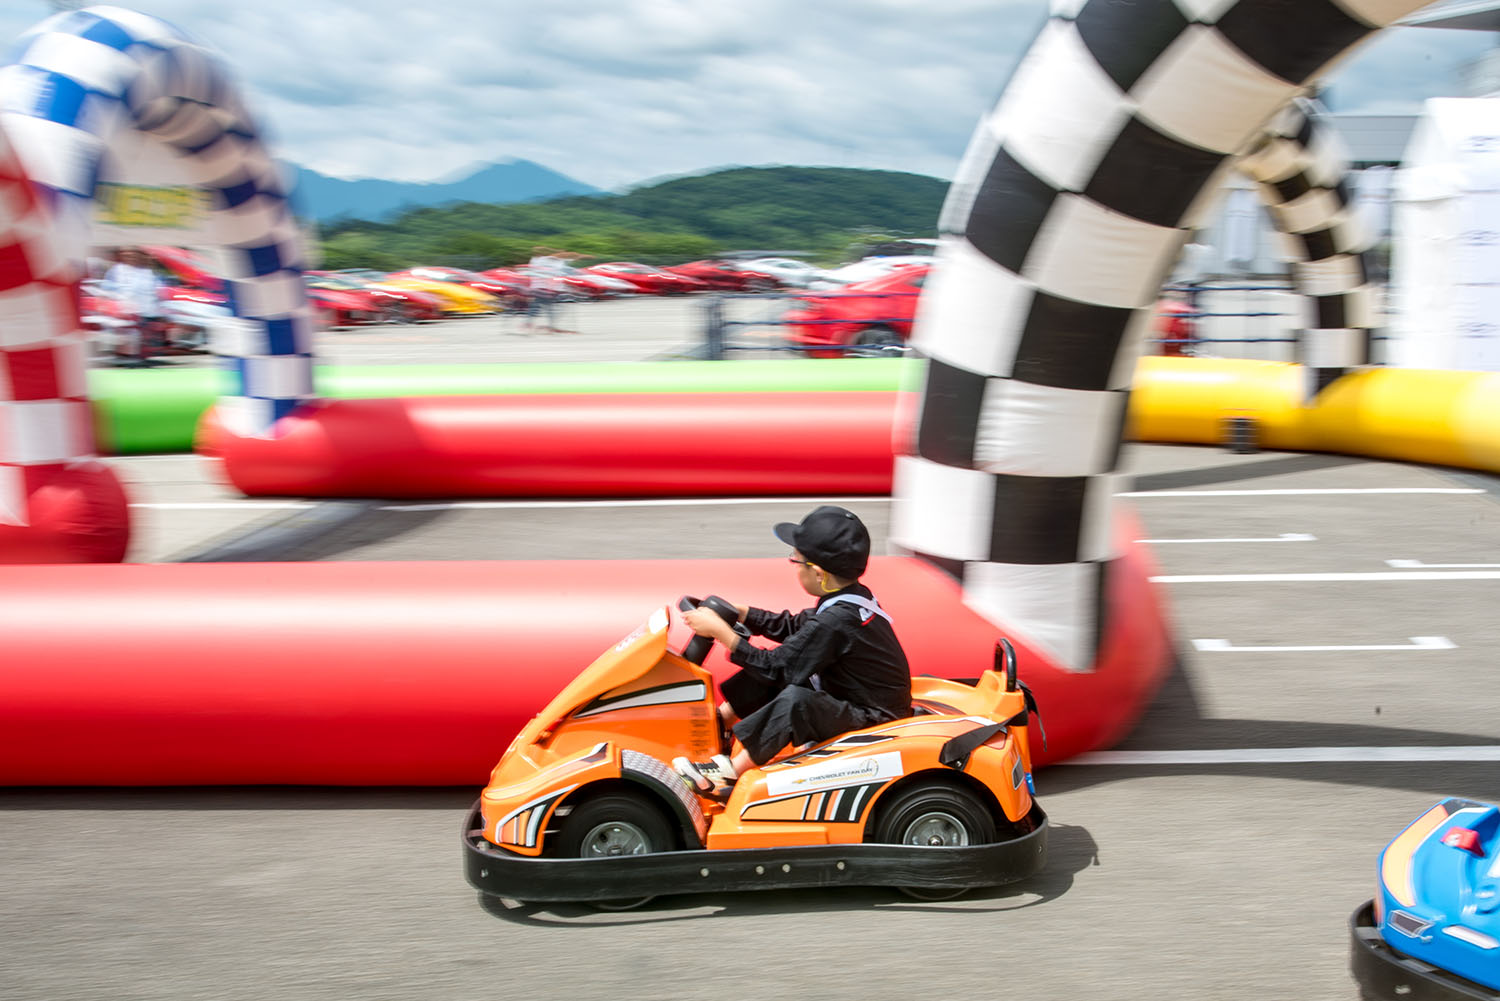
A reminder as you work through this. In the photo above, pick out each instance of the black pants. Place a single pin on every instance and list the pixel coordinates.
(771, 717)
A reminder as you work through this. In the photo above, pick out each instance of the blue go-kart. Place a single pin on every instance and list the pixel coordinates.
(1433, 929)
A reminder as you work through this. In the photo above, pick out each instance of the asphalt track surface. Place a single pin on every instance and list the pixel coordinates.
(1223, 865)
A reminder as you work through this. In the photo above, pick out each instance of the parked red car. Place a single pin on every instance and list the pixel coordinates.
(726, 276)
(396, 305)
(341, 302)
(516, 284)
(343, 307)
(866, 318)
(652, 281)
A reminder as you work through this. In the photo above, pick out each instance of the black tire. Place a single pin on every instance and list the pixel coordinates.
(613, 823)
(937, 814)
(875, 342)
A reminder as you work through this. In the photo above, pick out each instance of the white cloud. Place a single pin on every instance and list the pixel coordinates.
(613, 92)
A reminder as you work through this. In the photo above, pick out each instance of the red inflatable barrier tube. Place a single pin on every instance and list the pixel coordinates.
(421, 673)
(567, 444)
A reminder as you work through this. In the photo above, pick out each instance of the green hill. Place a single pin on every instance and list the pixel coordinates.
(825, 212)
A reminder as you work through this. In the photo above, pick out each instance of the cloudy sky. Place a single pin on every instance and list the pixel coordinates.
(616, 92)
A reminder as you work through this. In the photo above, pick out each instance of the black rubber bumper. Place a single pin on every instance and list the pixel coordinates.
(1382, 972)
(544, 880)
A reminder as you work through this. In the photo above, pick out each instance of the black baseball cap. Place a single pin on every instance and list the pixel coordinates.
(832, 537)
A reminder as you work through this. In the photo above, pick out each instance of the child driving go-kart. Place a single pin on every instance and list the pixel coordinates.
(844, 770)
(839, 665)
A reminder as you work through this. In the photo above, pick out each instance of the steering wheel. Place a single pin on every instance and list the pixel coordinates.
(697, 649)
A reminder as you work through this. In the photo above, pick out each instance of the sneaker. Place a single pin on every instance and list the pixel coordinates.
(706, 776)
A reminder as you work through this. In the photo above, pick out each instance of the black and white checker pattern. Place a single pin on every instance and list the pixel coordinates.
(79, 78)
(1072, 202)
(1301, 169)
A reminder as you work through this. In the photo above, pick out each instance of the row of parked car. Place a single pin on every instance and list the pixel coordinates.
(863, 308)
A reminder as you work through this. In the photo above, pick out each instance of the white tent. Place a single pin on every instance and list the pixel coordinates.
(1445, 262)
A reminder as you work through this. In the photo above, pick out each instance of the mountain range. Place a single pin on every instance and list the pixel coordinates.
(322, 198)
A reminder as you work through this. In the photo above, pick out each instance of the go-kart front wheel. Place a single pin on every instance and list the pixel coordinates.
(935, 815)
(611, 825)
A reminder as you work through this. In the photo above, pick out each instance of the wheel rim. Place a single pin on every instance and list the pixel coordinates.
(613, 838)
(936, 829)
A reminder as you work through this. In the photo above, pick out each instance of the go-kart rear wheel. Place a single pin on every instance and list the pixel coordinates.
(610, 825)
(936, 815)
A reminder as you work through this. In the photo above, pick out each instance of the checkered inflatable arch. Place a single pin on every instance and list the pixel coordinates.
(1073, 200)
(1301, 168)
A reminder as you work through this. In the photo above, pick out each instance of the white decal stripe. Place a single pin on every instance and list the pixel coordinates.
(859, 799)
(540, 799)
(831, 811)
(782, 799)
(690, 692)
(861, 740)
(1474, 938)
(536, 822)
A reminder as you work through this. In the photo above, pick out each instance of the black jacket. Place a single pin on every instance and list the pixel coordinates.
(856, 657)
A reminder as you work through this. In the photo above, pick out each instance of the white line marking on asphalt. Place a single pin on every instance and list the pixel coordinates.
(480, 505)
(1293, 493)
(485, 505)
(1287, 755)
(1378, 575)
(1417, 643)
(227, 505)
(1419, 565)
(153, 457)
(642, 502)
(1283, 537)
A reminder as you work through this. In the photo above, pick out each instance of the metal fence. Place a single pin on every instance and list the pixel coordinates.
(1228, 319)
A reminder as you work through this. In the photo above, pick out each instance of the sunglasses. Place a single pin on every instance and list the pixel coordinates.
(805, 563)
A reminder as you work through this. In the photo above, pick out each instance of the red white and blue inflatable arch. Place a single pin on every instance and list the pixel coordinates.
(76, 83)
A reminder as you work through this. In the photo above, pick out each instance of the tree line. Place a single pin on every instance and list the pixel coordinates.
(827, 214)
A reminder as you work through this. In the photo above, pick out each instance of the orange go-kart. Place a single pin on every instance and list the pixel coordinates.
(585, 807)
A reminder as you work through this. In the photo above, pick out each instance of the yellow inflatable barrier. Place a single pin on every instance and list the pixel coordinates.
(1415, 415)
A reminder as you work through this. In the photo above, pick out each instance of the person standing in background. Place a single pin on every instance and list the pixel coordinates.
(133, 284)
(547, 268)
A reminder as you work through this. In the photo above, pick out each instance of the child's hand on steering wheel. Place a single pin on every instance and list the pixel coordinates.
(705, 622)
